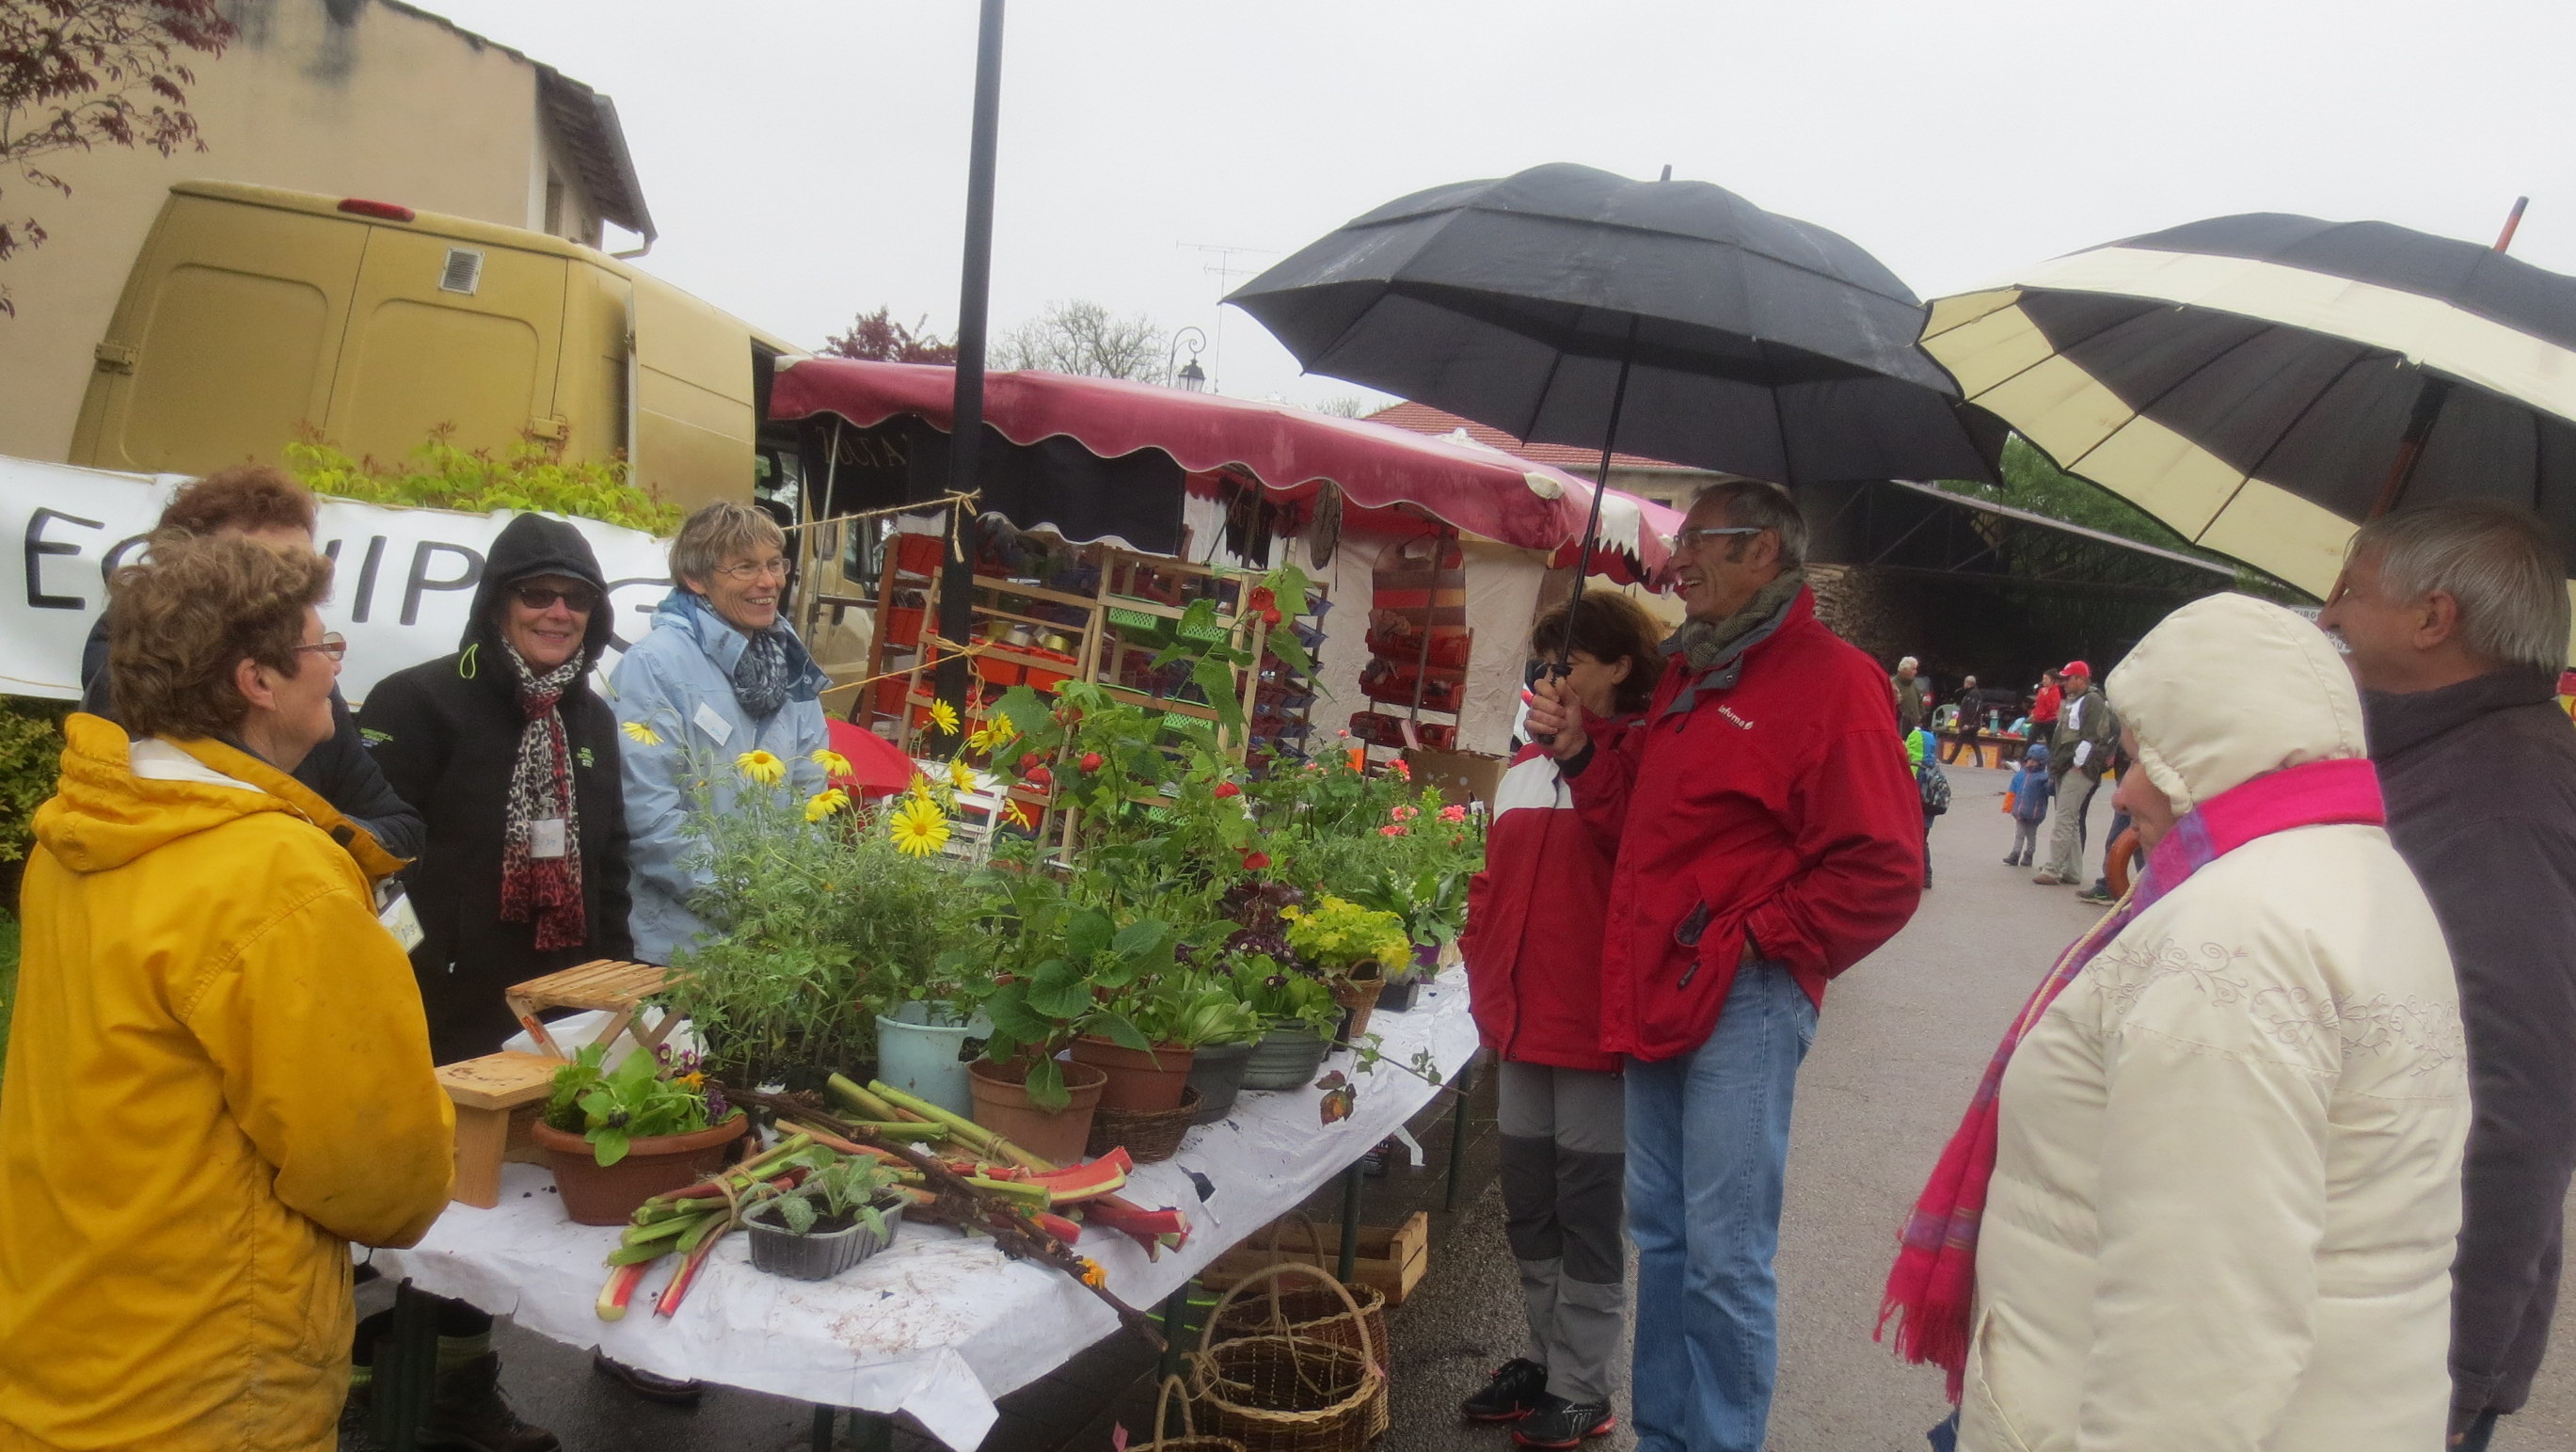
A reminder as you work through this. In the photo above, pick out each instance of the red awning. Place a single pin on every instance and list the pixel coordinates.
(1290, 452)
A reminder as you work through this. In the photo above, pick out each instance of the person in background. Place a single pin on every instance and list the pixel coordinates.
(1908, 689)
(2206, 1194)
(516, 760)
(218, 1074)
(2031, 786)
(2455, 621)
(1533, 952)
(1768, 839)
(2080, 746)
(1922, 760)
(2046, 704)
(719, 677)
(1971, 724)
(260, 503)
(2100, 894)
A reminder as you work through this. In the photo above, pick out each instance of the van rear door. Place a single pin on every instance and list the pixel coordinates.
(224, 342)
(443, 334)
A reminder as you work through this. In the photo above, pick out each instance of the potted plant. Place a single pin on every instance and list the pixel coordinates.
(1298, 1014)
(617, 1137)
(1202, 1014)
(843, 1212)
(1355, 946)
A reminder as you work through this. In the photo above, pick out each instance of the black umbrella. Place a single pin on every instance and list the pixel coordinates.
(1748, 342)
(2266, 383)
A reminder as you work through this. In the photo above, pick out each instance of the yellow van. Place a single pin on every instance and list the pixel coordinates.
(253, 313)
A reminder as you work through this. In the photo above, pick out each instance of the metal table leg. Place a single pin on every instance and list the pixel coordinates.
(822, 1429)
(1176, 1314)
(1350, 1220)
(1458, 1135)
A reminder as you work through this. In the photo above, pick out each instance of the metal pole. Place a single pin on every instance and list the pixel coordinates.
(1600, 490)
(1350, 1221)
(1458, 1136)
(2512, 224)
(974, 299)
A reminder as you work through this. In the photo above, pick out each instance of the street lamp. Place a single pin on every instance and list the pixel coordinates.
(1188, 376)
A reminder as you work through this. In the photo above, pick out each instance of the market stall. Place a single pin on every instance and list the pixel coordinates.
(939, 1325)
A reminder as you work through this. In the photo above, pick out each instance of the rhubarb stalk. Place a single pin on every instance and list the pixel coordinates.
(620, 1289)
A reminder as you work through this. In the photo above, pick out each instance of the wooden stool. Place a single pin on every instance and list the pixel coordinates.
(497, 1098)
(611, 985)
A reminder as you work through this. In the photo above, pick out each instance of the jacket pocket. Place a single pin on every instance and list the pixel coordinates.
(1984, 1410)
(1678, 1003)
(305, 1295)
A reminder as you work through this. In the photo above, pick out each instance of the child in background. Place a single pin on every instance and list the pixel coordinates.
(2030, 789)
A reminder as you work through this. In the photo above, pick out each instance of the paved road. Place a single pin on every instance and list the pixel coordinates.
(1903, 1038)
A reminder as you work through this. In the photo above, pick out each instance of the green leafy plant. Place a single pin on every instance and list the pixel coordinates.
(529, 475)
(1071, 970)
(841, 1190)
(1340, 935)
(31, 753)
(613, 1107)
(1285, 995)
(1196, 1010)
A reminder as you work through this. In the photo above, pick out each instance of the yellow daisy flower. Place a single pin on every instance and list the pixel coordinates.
(640, 734)
(920, 789)
(961, 776)
(944, 716)
(824, 803)
(832, 762)
(920, 828)
(762, 767)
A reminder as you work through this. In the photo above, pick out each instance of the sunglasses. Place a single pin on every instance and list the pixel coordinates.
(578, 598)
(331, 645)
(1693, 538)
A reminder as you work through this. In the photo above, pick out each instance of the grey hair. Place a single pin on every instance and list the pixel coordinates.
(719, 530)
(1907, 663)
(2501, 562)
(1761, 504)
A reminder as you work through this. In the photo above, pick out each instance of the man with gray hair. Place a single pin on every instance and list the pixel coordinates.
(2454, 618)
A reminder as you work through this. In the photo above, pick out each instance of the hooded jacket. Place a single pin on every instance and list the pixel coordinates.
(676, 687)
(1762, 808)
(2481, 783)
(447, 734)
(339, 770)
(1534, 919)
(218, 1077)
(2226, 1179)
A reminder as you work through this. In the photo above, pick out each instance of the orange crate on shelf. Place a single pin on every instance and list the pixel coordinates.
(918, 554)
(903, 625)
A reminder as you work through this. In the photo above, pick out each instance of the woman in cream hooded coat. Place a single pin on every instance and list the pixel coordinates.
(2226, 1186)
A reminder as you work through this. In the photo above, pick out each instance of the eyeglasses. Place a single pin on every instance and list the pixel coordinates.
(1694, 538)
(755, 569)
(576, 598)
(331, 645)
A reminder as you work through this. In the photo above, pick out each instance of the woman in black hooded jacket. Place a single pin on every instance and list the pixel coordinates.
(525, 868)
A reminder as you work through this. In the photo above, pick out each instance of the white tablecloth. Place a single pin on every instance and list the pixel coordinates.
(937, 1325)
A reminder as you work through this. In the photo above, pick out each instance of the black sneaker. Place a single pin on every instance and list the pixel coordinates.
(469, 1411)
(2099, 894)
(355, 1433)
(1517, 1389)
(1561, 1423)
(670, 1391)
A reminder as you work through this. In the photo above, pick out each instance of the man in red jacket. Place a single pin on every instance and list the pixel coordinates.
(1768, 836)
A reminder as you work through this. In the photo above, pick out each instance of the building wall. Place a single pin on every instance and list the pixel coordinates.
(342, 97)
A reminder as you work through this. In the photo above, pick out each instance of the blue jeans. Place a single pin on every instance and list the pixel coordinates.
(1708, 1148)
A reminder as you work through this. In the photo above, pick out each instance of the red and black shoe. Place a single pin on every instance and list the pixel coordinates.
(1518, 1388)
(1561, 1423)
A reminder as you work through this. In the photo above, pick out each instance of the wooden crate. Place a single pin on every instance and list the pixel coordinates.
(498, 1098)
(1392, 1260)
(608, 984)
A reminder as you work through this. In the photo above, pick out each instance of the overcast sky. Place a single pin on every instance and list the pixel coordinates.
(805, 160)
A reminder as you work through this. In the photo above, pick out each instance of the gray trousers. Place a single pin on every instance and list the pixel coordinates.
(2066, 846)
(1564, 1158)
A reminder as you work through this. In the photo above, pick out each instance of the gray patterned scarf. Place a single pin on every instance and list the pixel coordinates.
(760, 675)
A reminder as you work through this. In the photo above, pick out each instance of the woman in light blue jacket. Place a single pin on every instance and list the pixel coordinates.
(719, 676)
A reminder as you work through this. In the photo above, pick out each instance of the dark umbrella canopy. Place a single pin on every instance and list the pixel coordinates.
(2265, 383)
(1760, 344)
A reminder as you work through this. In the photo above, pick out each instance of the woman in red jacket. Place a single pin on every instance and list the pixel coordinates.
(1533, 951)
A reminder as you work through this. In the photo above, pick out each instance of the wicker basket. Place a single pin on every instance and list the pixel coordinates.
(1190, 1439)
(1285, 1393)
(1317, 1314)
(1146, 1134)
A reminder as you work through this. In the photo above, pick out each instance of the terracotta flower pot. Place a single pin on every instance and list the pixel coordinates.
(1136, 1080)
(596, 1195)
(1002, 1106)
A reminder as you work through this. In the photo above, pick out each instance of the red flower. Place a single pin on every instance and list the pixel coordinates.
(1228, 789)
(1091, 761)
(1029, 762)
(1038, 776)
(1256, 861)
(1262, 599)
(1402, 771)
(1391, 831)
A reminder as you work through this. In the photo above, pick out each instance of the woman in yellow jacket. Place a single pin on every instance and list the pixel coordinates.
(218, 1074)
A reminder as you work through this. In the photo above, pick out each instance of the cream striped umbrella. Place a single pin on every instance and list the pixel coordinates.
(2264, 383)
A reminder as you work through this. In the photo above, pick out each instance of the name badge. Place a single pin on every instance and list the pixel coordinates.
(713, 724)
(401, 921)
(546, 837)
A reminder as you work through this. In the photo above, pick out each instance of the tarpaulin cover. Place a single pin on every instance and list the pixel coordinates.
(1290, 452)
(937, 1325)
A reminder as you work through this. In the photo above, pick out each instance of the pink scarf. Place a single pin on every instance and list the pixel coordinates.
(1934, 1282)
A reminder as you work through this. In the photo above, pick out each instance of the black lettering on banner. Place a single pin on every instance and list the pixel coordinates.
(37, 547)
(364, 596)
(645, 610)
(420, 583)
(114, 559)
(331, 552)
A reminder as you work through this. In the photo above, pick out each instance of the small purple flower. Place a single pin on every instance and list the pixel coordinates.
(662, 1055)
(716, 1108)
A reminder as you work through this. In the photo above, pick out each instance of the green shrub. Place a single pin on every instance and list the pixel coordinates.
(8, 977)
(530, 475)
(31, 750)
